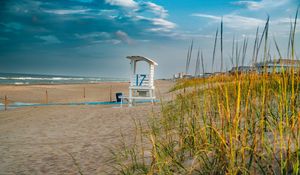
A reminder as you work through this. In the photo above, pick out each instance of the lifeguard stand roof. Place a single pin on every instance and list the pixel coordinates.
(141, 58)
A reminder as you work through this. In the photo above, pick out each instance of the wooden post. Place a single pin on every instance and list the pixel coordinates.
(110, 93)
(5, 103)
(46, 100)
(84, 92)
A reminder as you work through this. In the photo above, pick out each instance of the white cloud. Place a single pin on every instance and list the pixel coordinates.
(207, 16)
(284, 21)
(159, 29)
(186, 35)
(159, 22)
(67, 12)
(159, 11)
(234, 21)
(123, 3)
(123, 37)
(252, 5)
(109, 41)
(110, 14)
(93, 35)
(161, 25)
(256, 5)
(85, 1)
(156, 9)
(49, 39)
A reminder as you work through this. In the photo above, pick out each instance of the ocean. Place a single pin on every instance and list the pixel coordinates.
(23, 79)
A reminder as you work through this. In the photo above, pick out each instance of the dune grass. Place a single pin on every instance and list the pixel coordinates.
(225, 124)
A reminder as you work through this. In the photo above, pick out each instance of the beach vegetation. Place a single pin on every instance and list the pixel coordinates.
(240, 123)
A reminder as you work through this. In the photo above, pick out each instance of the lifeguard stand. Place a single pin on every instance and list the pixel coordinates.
(141, 85)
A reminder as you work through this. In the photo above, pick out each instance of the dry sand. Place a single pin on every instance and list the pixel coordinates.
(70, 93)
(41, 140)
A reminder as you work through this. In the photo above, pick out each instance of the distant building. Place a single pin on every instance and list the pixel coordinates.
(206, 74)
(181, 75)
(278, 66)
(218, 73)
(178, 75)
(188, 76)
(242, 69)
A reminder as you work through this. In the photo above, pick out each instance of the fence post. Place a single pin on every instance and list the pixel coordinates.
(5, 103)
(110, 93)
(84, 92)
(46, 97)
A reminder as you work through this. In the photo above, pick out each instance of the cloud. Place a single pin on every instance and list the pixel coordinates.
(123, 3)
(158, 24)
(123, 37)
(84, 1)
(108, 41)
(186, 35)
(234, 21)
(285, 21)
(93, 35)
(252, 5)
(49, 39)
(256, 5)
(156, 9)
(67, 11)
(207, 16)
(82, 22)
(109, 13)
(163, 23)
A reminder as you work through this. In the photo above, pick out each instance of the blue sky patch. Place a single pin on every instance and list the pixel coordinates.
(93, 37)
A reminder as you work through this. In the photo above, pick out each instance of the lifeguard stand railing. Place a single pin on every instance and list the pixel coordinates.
(141, 80)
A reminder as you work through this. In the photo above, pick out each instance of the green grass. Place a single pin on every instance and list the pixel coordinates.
(226, 124)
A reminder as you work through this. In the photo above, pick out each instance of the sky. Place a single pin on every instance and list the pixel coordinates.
(93, 37)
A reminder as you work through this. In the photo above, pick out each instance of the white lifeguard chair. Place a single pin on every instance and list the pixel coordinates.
(141, 84)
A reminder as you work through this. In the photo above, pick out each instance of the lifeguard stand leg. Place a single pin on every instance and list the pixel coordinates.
(130, 98)
(151, 95)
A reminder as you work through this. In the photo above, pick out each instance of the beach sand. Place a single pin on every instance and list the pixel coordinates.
(43, 140)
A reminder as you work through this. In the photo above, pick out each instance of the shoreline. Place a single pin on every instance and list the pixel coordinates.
(27, 84)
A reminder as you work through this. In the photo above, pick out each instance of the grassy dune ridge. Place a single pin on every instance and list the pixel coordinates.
(225, 124)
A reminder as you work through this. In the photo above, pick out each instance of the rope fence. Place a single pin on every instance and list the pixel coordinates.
(7, 100)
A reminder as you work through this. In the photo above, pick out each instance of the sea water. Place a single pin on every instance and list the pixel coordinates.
(23, 79)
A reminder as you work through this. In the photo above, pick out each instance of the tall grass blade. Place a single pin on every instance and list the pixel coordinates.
(214, 51)
(245, 45)
(197, 63)
(202, 63)
(254, 54)
(277, 48)
(232, 52)
(266, 39)
(221, 70)
(189, 56)
(187, 61)
(290, 39)
(293, 34)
